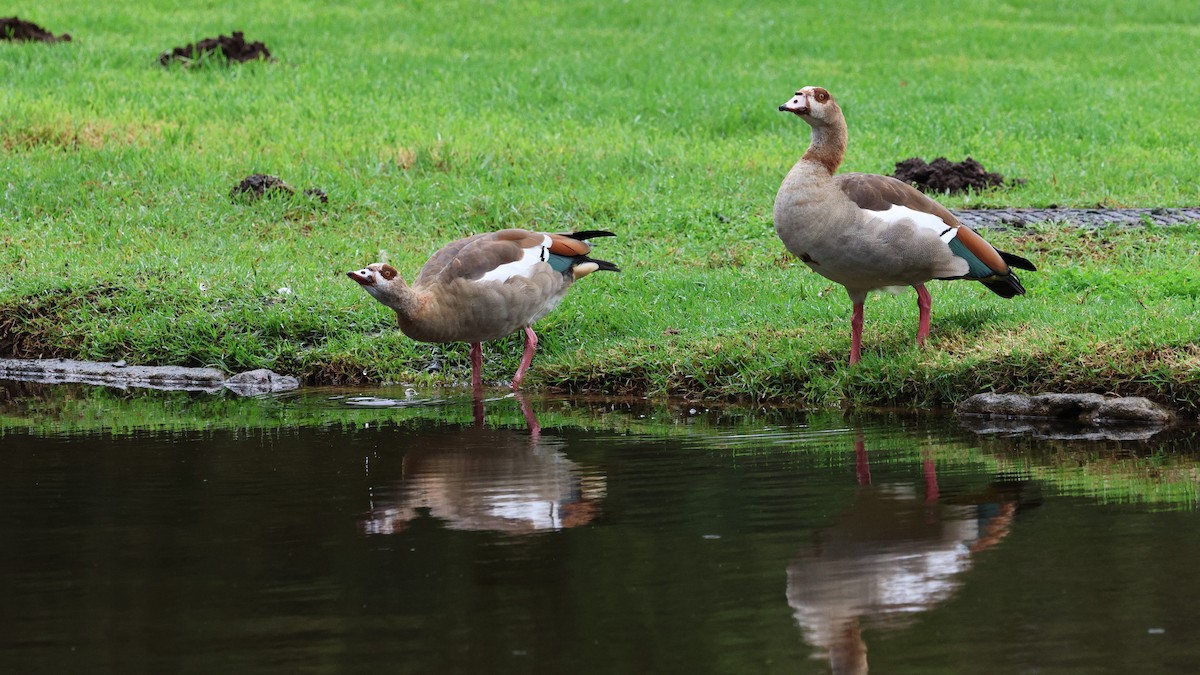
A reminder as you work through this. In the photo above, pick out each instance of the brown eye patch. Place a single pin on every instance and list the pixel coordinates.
(821, 95)
(388, 272)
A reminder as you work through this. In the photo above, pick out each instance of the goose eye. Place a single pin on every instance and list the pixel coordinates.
(388, 272)
(821, 96)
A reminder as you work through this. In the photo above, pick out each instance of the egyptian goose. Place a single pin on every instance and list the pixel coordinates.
(480, 478)
(485, 287)
(891, 554)
(869, 232)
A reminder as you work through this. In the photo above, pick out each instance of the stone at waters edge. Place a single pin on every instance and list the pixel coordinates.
(1090, 408)
(119, 374)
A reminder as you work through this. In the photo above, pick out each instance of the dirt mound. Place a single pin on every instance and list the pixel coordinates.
(259, 185)
(233, 48)
(942, 175)
(16, 30)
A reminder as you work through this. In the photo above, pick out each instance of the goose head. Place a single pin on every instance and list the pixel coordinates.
(814, 105)
(381, 281)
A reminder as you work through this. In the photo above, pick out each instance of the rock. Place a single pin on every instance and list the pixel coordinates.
(1065, 406)
(1093, 409)
(167, 378)
(118, 374)
(1058, 430)
(260, 381)
(1131, 409)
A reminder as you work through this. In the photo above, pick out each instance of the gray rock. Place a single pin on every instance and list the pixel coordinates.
(1090, 408)
(1065, 406)
(1007, 405)
(1058, 430)
(1131, 409)
(123, 376)
(57, 371)
(260, 381)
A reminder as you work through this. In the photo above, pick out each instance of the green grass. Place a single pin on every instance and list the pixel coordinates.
(429, 121)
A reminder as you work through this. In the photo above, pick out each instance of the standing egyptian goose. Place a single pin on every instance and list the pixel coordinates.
(485, 287)
(868, 232)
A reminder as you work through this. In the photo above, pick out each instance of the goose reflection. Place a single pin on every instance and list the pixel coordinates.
(895, 552)
(489, 479)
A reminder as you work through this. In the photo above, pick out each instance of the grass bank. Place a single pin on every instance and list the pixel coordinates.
(429, 121)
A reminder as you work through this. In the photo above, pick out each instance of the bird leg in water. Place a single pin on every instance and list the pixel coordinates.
(862, 465)
(535, 429)
(477, 411)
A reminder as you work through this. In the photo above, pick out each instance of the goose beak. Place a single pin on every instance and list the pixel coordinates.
(798, 106)
(364, 277)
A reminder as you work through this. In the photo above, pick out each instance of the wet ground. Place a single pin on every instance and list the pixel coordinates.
(402, 531)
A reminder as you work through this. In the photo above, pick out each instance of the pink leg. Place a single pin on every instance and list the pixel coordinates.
(477, 411)
(477, 369)
(535, 429)
(862, 468)
(931, 484)
(526, 358)
(924, 302)
(856, 324)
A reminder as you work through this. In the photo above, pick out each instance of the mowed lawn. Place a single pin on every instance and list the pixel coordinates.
(426, 121)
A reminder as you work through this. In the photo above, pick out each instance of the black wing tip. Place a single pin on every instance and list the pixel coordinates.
(589, 234)
(604, 265)
(1016, 261)
(1008, 287)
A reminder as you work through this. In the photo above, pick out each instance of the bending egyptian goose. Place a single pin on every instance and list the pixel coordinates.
(868, 232)
(485, 287)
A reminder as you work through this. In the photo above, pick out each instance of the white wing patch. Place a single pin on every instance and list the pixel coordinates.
(923, 220)
(522, 267)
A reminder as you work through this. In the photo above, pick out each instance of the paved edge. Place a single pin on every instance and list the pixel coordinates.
(1000, 218)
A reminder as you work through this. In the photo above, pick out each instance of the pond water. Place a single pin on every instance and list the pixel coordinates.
(382, 531)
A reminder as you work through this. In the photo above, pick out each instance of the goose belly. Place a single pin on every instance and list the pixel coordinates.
(478, 311)
(866, 257)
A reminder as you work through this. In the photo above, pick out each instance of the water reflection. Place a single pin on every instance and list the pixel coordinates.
(489, 479)
(896, 551)
(177, 532)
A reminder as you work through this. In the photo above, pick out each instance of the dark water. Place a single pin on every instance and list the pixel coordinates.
(325, 532)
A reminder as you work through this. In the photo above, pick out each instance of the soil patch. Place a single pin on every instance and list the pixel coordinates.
(232, 48)
(942, 175)
(16, 30)
(259, 185)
